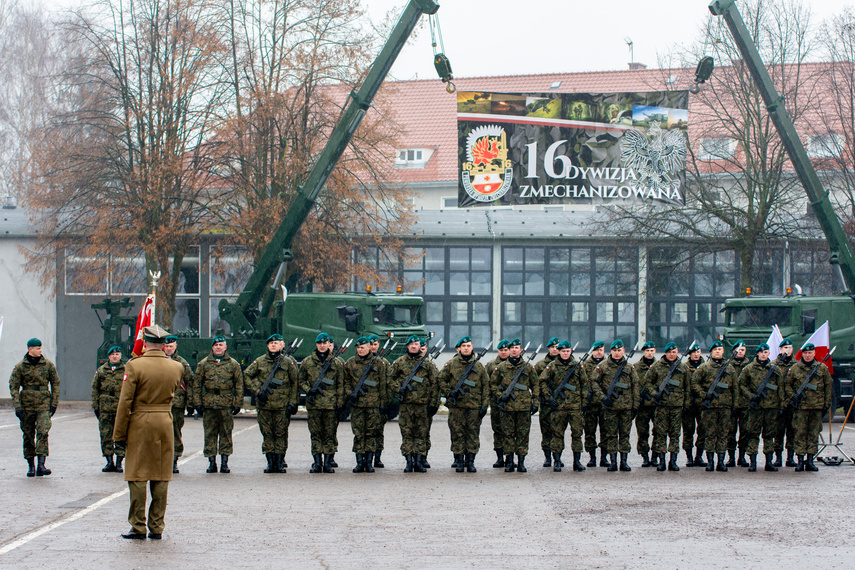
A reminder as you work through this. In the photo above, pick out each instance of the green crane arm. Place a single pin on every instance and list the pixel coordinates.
(241, 314)
(841, 251)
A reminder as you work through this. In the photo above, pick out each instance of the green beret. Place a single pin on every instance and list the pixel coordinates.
(785, 342)
(113, 349)
(33, 342)
(738, 344)
(670, 346)
(598, 344)
(616, 344)
(808, 346)
(716, 344)
(422, 341)
(694, 347)
(564, 344)
(553, 341)
(217, 339)
(413, 338)
(504, 343)
(515, 342)
(273, 337)
(649, 344)
(323, 337)
(360, 341)
(761, 347)
(170, 338)
(373, 338)
(462, 340)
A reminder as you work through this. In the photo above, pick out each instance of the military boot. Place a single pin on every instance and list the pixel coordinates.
(577, 461)
(470, 463)
(557, 461)
(40, 466)
(770, 465)
(423, 461)
(509, 464)
(500, 459)
(699, 458)
(409, 467)
(271, 463)
(778, 460)
(224, 464)
(316, 464)
(31, 472)
(660, 463)
(645, 460)
(119, 459)
(731, 458)
(280, 463)
(603, 461)
(328, 468)
(624, 466)
(110, 467)
(174, 463)
(521, 464)
(790, 462)
(418, 464)
(722, 466)
(809, 466)
(800, 466)
(690, 460)
(360, 464)
(710, 461)
(212, 465)
(377, 463)
(332, 460)
(672, 465)
(593, 461)
(752, 464)
(741, 462)
(613, 464)
(547, 462)
(368, 458)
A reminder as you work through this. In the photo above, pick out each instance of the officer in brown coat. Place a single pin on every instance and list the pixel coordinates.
(144, 425)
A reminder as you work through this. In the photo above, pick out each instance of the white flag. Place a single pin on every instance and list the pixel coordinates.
(1, 327)
(774, 342)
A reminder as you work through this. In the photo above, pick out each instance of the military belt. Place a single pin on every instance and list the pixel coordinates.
(31, 387)
(152, 408)
(218, 391)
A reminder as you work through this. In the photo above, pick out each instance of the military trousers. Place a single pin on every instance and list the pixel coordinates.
(517, 428)
(785, 429)
(807, 424)
(496, 424)
(717, 427)
(464, 425)
(273, 425)
(430, 422)
(667, 423)
(616, 426)
(692, 424)
(156, 510)
(642, 428)
(218, 425)
(106, 420)
(738, 424)
(177, 427)
(761, 421)
(560, 419)
(593, 418)
(323, 425)
(35, 427)
(367, 425)
(546, 435)
(414, 422)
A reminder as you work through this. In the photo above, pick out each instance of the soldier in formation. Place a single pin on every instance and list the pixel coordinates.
(761, 385)
(374, 344)
(503, 350)
(808, 391)
(692, 423)
(417, 389)
(181, 399)
(545, 421)
(368, 397)
(516, 386)
(720, 385)
(433, 407)
(594, 411)
(321, 378)
(669, 382)
(646, 409)
(784, 363)
(106, 387)
(618, 381)
(737, 437)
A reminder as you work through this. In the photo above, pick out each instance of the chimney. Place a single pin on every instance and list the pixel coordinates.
(636, 65)
(9, 203)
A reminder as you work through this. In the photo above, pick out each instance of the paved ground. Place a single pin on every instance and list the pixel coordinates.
(440, 519)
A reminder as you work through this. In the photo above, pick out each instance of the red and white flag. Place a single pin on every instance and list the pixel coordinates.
(774, 342)
(820, 339)
(145, 319)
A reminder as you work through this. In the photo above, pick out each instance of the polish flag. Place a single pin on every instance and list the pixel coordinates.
(1, 326)
(145, 319)
(820, 339)
(774, 342)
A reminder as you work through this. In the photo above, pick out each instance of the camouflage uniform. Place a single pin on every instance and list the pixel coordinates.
(323, 407)
(274, 414)
(106, 387)
(414, 420)
(807, 418)
(594, 418)
(34, 387)
(569, 409)
(691, 420)
(436, 402)
(181, 399)
(464, 418)
(516, 417)
(495, 412)
(366, 420)
(545, 415)
(644, 419)
(716, 418)
(218, 388)
(739, 417)
(383, 364)
(617, 421)
(764, 418)
(785, 420)
(668, 417)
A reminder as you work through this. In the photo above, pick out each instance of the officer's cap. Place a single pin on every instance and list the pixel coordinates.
(808, 346)
(323, 337)
(553, 341)
(170, 339)
(113, 349)
(515, 342)
(738, 344)
(33, 342)
(217, 339)
(462, 340)
(273, 337)
(761, 347)
(598, 344)
(716, 344)
(616, 344)
(649, 344)
(785, 342)
(670, 346)
(504, 343)
(373, 338)
(360, 341)
(412, 338)
(564, 344)
(155, 334)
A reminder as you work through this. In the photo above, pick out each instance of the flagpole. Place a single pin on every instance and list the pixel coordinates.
(155, 277)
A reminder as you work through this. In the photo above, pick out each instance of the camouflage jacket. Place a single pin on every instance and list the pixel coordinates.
(34, 387)
(628, 386)
(376, 386)
(576, 390)
(183, 395)
(489, 368)
(283, 394)
(527, 390)
(425, 384)
(817, 398)
(543, 363)
(106, 387)
(218, 383)
(740, 365)
(331, 392)
(692, 366)
(478, 395)
(751, 378)
(641, 368)
(784, 366)
(593, 401)
(680, 383)
(704, 377)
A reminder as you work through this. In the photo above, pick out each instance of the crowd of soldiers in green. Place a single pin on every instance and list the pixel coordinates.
(720, 405)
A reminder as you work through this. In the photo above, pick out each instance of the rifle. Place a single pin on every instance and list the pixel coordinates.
(558, 393)
(611, 393)
(317, 388)
(762, 389)
(713, 391)
(509, 391)
(667, 385)
(806, 385)
(407, 386)
(292, 348)
(464, 384)
(359, 389)
(266, 388)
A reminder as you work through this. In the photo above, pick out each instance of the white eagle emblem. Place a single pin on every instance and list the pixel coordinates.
(656, 157)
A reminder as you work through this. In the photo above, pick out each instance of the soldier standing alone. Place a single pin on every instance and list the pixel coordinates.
(519, 404)
(181, 399)
(106, 386)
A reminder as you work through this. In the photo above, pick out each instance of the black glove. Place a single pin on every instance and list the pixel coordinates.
(97, 413)
(235, 410)
(754, 403)
(552, 402)
(824, 411)
(633, 413)
(200, 410)
(20, 414)
(52, 411)
(504, 398)
(261, 398)
(432, 410)
(482, 412)
(534, 409)
(607, 402)
(734, 413)
(781, 412)
(290, 410)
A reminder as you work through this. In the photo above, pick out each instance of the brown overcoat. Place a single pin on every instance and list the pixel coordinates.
(144, 419)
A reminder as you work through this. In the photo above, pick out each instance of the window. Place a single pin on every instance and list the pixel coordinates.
(715, 148)
(229, 270)
(827, 145)
(84, 274)
(449, 202)
(412, 157)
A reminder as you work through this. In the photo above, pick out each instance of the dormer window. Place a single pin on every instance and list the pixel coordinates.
(412, 157)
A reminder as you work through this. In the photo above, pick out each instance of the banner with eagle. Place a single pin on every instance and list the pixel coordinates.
(556, 148)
